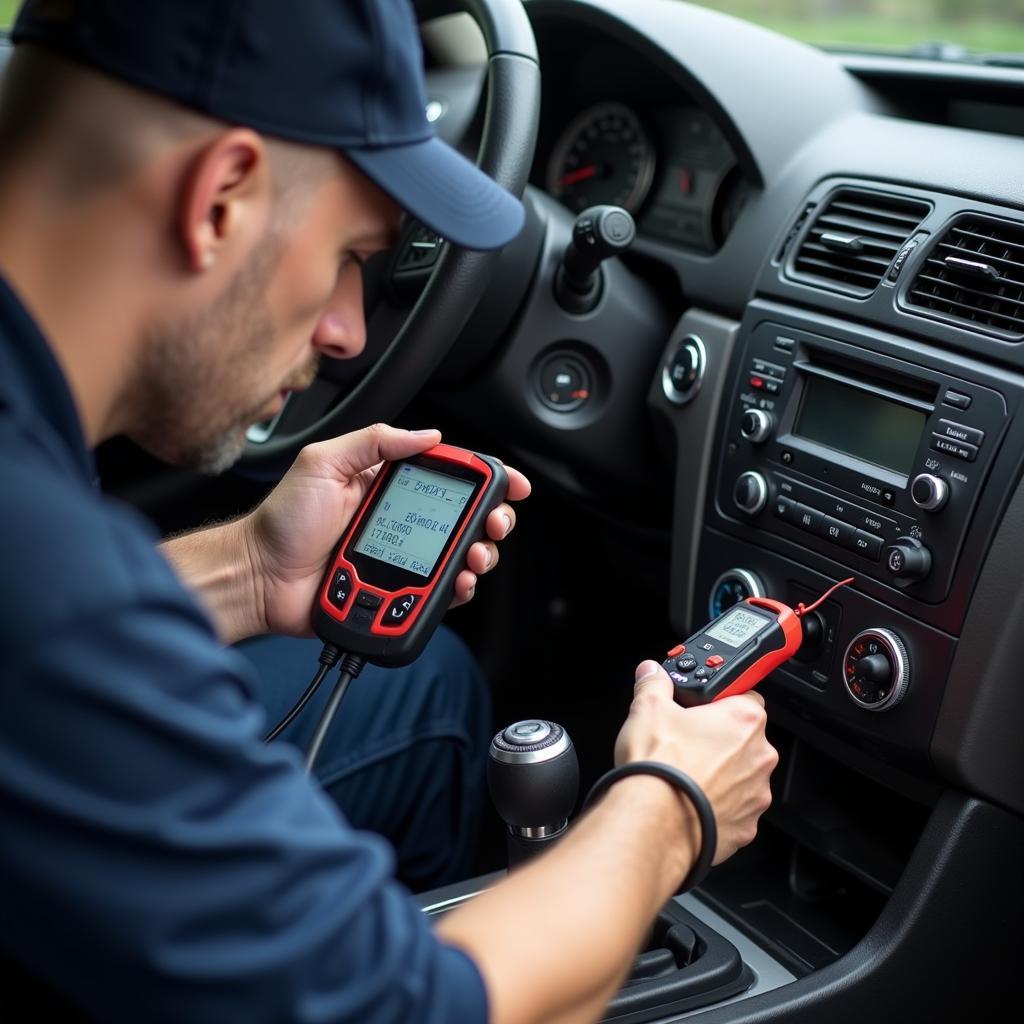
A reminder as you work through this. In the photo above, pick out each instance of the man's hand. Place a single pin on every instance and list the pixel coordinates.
(721, 746)
(291, 535)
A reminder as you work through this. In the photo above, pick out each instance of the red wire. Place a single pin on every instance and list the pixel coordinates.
(802, 609)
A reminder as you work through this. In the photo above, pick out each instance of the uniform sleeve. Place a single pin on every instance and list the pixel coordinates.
(160, 863)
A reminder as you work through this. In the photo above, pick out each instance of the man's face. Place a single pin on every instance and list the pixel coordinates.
(207, 376)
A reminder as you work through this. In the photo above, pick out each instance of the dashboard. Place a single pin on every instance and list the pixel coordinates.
(809, 366)
(670, 167)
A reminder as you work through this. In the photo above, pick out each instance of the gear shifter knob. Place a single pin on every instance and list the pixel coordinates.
(534, 778)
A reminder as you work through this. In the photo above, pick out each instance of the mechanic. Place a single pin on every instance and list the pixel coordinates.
(187, 193)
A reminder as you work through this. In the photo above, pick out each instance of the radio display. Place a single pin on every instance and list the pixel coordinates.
(860, 424)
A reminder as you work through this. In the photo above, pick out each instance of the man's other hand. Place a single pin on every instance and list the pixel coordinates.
(291, 535)
(721, 746)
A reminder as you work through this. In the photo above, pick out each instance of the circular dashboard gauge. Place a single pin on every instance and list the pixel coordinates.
(603, 156)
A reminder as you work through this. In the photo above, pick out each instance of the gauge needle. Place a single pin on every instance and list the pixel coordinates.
(580, 174)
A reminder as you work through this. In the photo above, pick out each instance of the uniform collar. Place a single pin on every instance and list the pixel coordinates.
(33, 385)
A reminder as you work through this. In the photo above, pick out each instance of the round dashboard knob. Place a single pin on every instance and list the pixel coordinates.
(908, 559)
(733, 586)
(876, 670)
(756, 425)
(929, 492)
(750, 492)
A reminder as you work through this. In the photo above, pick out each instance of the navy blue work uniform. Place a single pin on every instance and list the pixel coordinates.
(158, 862)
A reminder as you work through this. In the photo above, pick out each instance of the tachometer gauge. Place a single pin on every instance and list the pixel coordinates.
(603, 156)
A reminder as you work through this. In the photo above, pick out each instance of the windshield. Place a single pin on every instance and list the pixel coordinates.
(944, 29)
(934, 28)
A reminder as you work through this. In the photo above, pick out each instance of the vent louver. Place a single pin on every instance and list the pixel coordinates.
(975, 277)
(854, 239)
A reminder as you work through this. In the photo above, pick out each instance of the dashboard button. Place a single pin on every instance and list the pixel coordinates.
(808, 518)
(956, 399)
(836, 530)
(958, 449)
(784, 509)
(867, 544)
(960, 432)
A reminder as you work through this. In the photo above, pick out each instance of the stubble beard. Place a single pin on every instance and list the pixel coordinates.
(198, 384)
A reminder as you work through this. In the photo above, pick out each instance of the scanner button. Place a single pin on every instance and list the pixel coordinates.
(687, 663)
(340, 589)
(367, 600)
(677, 650)
(399, 609)
(714, 661)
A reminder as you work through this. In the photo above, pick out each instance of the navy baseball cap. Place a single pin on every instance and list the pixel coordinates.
(347, 74)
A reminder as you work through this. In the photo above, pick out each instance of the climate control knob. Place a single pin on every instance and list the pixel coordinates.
(750, 492)
(929, 492)
(876, 670)
(757, 425)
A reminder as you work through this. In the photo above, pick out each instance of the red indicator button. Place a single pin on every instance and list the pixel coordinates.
(757, 382)
(677, 650)
(714, 660)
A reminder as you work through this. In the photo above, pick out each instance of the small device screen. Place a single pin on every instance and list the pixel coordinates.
(860, 424)
(737, 627)
(413, 518)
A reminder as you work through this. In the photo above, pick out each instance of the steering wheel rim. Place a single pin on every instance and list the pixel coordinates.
(506, 151)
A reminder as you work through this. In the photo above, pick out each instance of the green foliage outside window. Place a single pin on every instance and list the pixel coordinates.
(985, 26)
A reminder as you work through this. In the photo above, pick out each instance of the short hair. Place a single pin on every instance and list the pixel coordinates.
(103, 129)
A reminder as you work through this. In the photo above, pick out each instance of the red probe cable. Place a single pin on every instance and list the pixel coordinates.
(801, 609)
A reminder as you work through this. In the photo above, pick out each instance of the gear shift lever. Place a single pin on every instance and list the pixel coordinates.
(534, 778)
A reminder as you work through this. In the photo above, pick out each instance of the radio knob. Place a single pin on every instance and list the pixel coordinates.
(908, 559)
(929, 492)
(750, 492)
(756, 425)
(876, 670)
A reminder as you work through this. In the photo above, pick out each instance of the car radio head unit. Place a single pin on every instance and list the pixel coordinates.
(871, 460)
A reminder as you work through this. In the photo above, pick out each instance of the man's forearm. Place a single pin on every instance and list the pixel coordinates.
(216, 564)
(556, 939)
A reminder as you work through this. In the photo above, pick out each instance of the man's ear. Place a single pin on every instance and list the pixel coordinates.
(226, 199)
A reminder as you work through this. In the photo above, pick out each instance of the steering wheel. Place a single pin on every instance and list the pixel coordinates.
(459, 276)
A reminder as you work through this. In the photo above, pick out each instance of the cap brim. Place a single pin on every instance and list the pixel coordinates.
(445, 191)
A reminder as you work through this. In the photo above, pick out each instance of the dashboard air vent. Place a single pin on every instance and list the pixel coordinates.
(975, 277)
(854, 239)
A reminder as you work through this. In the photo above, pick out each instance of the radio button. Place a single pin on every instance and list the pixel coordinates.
(959, 432)
(958, 449)
(836, 530)
(784, 509)
(956, 399)
(867, 544)
(808, 518)
(763, 367)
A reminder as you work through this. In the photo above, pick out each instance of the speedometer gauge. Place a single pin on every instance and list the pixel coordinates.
(603, 156)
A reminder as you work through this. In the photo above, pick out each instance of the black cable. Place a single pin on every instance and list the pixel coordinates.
(708, 828)
(329, 656)
(351, 666)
